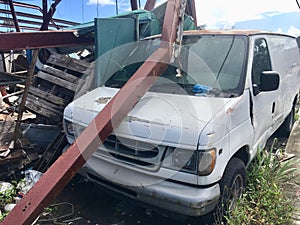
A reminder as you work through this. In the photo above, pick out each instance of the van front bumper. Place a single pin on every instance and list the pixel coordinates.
(166, 195)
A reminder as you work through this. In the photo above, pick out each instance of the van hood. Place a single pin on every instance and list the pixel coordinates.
(169, 119)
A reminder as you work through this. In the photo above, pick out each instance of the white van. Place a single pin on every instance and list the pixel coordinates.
(190, 137)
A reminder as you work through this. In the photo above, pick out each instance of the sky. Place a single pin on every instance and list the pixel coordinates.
(273, 15)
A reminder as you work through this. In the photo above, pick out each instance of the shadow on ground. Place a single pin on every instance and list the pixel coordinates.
(82, 203)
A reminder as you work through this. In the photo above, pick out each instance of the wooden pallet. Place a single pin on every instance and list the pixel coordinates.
(55, 85)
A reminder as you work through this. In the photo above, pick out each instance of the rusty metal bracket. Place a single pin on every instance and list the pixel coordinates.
(61, 172)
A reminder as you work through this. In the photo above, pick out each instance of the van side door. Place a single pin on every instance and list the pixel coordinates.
(263, 103)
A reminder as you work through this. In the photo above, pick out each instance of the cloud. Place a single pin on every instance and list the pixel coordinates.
(123, 5)
(224, 14)
(101, 2)
(232, 11)
(294, 31)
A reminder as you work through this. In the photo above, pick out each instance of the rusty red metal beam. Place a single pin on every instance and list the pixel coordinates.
(170, 25)
(42, 39)
(134, 4)
(66, 166)
(150, 5)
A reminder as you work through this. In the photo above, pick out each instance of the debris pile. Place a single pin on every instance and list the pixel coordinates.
(12, 192)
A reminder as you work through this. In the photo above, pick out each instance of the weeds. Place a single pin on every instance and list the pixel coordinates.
(7, 197)
(296, 117)
(264, 201)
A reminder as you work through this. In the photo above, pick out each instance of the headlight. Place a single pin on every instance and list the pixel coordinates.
(185, 159)
(181, 159)
(73, 129)
(69, 128)
(201, 162)
(207, 160)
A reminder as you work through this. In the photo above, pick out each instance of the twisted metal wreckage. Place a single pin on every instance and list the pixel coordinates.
(68, 164)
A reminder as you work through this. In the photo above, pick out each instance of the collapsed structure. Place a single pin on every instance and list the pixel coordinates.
(53, 86)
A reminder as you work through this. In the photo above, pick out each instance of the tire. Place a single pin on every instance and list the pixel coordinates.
(286, 128)
(232, 186)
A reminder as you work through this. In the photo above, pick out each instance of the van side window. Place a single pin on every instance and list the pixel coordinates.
(261, 61)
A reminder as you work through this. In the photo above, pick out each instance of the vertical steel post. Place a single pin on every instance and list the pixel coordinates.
(66, 166)
(45, 8)
(13, 13)
(117, 8)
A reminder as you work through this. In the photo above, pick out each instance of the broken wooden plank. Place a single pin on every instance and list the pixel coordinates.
(43, 104)
(55, 85)
(57, 81)
(12, 158)
(16, 161)
(42, 112)
(47, 96)
(9, 79)
(68, 63)
(60, 74)
(6, 133)
(46, 111)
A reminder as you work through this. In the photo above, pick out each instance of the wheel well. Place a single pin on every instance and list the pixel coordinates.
(243, 154)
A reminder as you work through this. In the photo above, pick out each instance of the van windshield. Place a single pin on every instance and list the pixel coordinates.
(207, 65)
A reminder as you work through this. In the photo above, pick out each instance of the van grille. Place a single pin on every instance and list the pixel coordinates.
(134, 152)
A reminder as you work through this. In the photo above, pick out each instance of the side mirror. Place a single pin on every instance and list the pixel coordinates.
(269, 81)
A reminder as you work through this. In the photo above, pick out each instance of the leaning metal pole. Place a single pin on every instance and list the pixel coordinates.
(67, 165)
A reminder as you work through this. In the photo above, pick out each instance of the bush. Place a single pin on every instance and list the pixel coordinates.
(264, 201)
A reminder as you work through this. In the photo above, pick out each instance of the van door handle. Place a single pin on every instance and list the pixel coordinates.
(273, 108)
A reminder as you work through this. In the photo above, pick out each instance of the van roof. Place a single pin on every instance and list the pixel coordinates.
(229, 32)
(234, 32)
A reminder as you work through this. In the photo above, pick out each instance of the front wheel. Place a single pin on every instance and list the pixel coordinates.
(232, 186)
